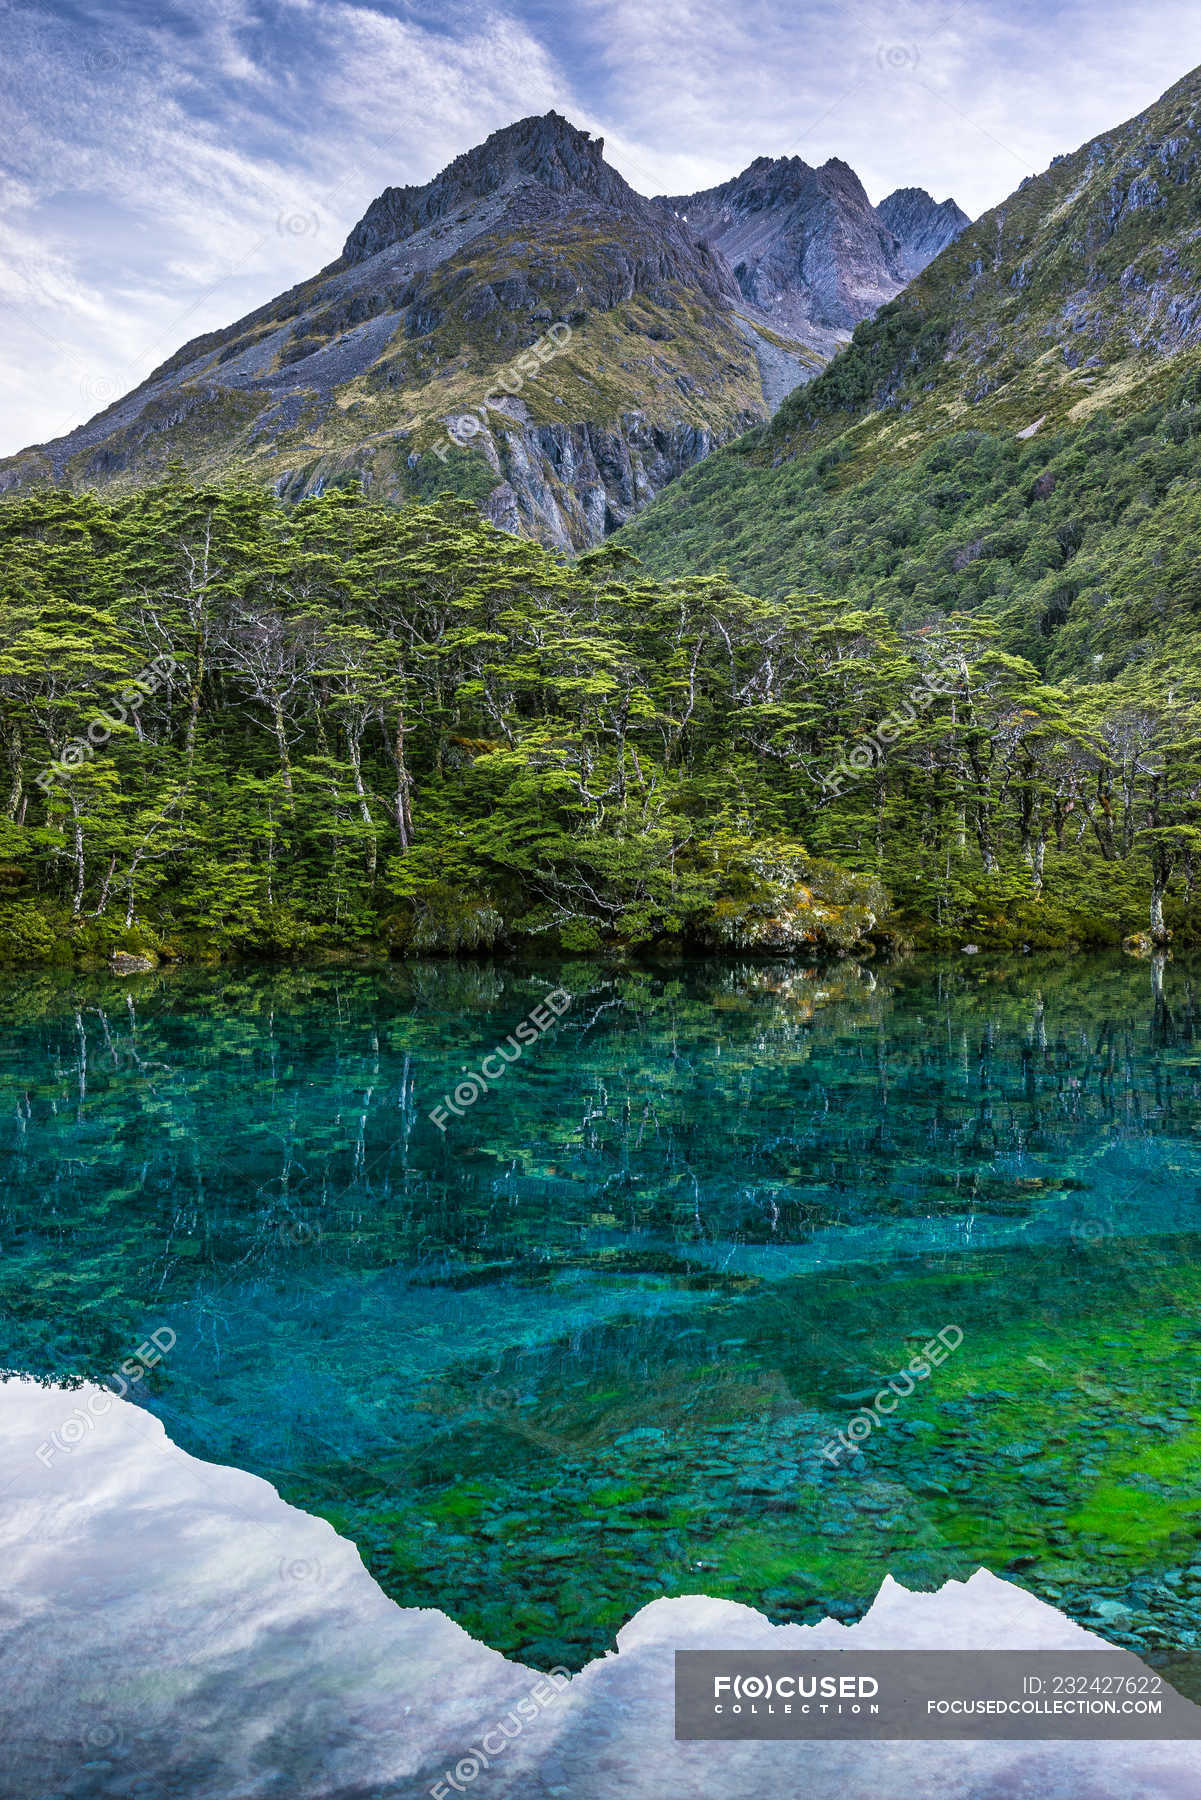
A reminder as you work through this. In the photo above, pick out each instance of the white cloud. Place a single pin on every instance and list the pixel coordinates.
(960, 98)
(212, 180)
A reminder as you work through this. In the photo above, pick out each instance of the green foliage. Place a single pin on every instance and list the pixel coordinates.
(375, 729)
(27, 934)
(1080, 545)
(897, 342)
(379, 730)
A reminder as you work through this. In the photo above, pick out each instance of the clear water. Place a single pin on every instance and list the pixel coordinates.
(588, 1344)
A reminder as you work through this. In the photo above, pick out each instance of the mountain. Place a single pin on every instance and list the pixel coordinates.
(951, 695)
(921, 226)
(524, 329)
(1017, 436)
(807, 247)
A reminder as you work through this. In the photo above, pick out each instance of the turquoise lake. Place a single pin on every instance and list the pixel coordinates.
(593, 1341)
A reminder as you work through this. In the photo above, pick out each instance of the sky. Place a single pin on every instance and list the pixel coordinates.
(168, 165)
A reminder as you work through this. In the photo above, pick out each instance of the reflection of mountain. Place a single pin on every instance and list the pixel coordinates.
(209, 1574)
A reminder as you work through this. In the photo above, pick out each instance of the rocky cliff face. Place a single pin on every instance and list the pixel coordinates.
(807, 247)
(574, 484)
(922, 227)
(524, 329)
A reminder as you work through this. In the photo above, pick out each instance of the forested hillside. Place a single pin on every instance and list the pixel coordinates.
(231, 726)
(1077, 544)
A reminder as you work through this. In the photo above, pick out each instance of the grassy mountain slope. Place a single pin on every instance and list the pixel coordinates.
(1016, 434)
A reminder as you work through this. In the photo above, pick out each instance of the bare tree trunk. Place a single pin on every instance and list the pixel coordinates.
(270, 854)
(105, 885)
(1103, 825)
(189, 736)
(285, 761)
(80, 863)
(401, 812)
(354, 749)
(1034, 845)
(988, 855)
(14, 763)
(141, 852)
(1161, 874)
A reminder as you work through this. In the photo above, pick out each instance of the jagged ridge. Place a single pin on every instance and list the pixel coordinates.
(355, 373)
(807, 245)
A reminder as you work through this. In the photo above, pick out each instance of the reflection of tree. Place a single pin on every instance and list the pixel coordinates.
(1163, 1025)
(210, 1126)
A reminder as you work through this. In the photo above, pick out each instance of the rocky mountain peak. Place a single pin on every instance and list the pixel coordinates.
(837, 166)
(768, 181)
(544, 151)
(807, 244)
(921, 225)
(688, 321)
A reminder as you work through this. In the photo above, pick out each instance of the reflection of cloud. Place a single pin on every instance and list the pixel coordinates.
(184, 134)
